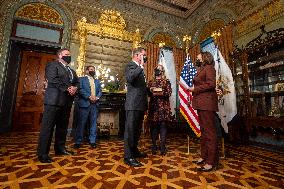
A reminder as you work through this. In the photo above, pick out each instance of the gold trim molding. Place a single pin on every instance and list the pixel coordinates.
(163, 38)
(111, 25)
(211, 27)
(39, 12)
(270, 11)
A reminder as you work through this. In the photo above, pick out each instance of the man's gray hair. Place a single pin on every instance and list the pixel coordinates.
(138, 50)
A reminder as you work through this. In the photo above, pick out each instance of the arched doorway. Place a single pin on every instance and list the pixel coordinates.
(37, 32)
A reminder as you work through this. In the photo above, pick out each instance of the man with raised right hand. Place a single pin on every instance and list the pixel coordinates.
(135, 105)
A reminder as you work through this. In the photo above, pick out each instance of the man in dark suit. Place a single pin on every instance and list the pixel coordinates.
(135, 105)
(62, 84)
(89, 94)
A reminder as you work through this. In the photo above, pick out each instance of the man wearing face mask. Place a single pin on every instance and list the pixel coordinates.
(62, 85)
(89, 94)
(135, 105)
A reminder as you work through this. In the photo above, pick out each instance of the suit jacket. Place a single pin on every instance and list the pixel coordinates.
(136, 97)
(204, 95)
(85, 91)
(57, 83)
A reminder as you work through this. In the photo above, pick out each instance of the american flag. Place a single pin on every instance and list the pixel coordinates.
(186, 80)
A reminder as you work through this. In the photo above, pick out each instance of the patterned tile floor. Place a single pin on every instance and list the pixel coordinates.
(103, 167)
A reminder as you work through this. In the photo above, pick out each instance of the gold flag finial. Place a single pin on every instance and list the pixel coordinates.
(216, 34)
(186, 39)
(161, 44)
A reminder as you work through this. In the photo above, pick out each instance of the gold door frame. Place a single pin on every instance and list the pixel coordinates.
(111, 25)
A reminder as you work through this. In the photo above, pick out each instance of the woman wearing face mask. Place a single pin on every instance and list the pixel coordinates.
(205, 101)
(159, 108)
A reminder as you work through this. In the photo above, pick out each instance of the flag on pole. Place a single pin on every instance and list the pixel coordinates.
(227, 103)
(186, 80)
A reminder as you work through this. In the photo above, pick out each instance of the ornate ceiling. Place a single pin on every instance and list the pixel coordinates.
(180, 8)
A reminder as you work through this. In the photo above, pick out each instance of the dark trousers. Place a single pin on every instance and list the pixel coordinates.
(133, 128)
(53, 115)
(87, 113)
(156, 128)
(209, 139)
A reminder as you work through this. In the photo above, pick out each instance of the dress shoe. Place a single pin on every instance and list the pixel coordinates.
(77, 146)
(140, 155)
(45, 159)
(93, 145)
(163, 153)
(65, 152)
(132, 162)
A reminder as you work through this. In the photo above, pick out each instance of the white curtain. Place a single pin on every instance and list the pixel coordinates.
(228, 105)
(166, 59)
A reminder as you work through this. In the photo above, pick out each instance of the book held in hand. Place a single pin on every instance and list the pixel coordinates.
(157, 89)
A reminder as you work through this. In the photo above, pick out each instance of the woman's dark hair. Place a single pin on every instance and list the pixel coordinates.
(207, 58)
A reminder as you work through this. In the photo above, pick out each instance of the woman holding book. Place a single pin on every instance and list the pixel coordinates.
(159, 108)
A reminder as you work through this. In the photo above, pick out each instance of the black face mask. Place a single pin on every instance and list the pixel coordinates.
(198, 63)
(66, 59)
(145, 58)
(92, 73)
(158, 72)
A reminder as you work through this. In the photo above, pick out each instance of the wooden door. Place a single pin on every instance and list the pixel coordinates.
(30, 93)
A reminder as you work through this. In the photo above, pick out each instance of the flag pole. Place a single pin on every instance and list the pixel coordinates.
(187, 39)
(215, 35)
(187, 144)
(223, 147)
